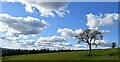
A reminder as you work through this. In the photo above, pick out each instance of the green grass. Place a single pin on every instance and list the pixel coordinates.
(107, 54)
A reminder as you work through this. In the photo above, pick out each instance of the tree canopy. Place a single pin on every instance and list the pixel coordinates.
(91, 37)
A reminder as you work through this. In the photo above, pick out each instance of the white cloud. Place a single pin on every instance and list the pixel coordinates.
(95, 21)
(66, 32)
(25, 43)
(104, 31)
(15, 25)
(98, 42)
(53, 42)
(45, 8)
(52, 39)
(80, 46)
(20, 30)
(56, 42)
(101, 44)
(107, 44)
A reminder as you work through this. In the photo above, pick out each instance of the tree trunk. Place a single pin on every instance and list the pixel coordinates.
(89, 50)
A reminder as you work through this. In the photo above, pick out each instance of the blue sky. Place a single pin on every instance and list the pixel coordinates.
(76, 19)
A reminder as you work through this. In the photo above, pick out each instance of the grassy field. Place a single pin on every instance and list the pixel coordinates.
(107, 54)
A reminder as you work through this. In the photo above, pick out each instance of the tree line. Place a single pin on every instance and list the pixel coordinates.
(7, 52)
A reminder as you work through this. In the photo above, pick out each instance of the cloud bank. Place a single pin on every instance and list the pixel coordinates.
(95, 21)
(66, 32)
(45, 8)
(53, 42)
(28, 25)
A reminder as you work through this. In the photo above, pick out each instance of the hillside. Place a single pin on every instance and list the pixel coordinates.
(107, 54)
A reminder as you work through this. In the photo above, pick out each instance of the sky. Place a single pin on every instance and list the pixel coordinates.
(53, 25)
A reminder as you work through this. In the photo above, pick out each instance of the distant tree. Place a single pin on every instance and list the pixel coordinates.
(113, 44)
(91, 37)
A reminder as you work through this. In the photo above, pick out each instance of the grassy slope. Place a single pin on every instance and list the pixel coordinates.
(108, 54)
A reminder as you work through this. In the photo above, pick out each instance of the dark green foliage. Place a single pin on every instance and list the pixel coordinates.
(113, 45)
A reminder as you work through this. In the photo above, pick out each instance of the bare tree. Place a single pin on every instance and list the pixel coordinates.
(90, 37)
